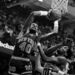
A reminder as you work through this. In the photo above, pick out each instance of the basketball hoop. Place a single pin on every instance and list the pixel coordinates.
(59, 7)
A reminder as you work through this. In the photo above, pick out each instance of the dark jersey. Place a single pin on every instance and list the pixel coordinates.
(23, 48)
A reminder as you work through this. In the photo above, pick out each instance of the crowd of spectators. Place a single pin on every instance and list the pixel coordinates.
(11, 23)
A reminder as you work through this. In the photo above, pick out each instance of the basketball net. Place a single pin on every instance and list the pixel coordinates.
(59, 7)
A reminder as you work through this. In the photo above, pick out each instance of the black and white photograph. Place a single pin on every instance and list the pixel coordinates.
(37, 37)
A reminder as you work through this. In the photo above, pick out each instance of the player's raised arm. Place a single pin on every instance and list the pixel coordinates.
(40, 13)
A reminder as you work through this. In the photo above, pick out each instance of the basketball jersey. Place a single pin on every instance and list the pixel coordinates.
(22, 50)
(24, 46)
